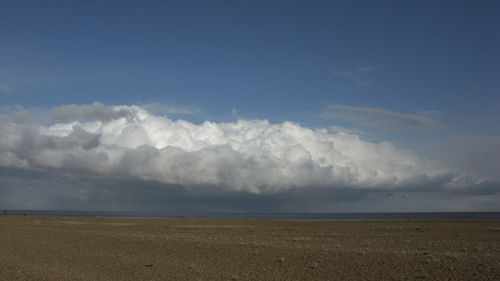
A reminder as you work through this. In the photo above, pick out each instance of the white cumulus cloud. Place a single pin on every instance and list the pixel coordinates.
(248, 155)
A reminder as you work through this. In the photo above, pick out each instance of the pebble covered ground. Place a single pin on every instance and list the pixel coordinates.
(69, 248)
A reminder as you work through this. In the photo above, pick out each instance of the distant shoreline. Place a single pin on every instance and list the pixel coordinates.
(281, 216)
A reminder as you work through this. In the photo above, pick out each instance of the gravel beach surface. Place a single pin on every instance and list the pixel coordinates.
(70, 248)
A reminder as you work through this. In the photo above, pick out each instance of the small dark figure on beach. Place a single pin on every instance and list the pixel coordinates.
(4, 212)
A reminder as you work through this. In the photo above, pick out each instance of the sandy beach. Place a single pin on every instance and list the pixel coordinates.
(69, 248)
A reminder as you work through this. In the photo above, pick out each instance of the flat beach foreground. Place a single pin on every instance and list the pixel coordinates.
(68, 248)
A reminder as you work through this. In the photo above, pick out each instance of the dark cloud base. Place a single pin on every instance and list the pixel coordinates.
(49, 190)
(27, 189)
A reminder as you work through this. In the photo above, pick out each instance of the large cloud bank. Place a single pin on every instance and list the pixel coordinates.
(254, 156)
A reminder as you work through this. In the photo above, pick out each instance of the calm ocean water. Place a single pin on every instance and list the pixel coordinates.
(269, 216)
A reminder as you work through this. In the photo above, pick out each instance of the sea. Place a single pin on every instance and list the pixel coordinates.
(393, 216)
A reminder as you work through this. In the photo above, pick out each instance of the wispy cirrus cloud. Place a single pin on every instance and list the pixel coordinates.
(234, 112)
(351, 131)
(170, 109)
(4, 88)
(180, 110)
(358, 75)
(380, 118)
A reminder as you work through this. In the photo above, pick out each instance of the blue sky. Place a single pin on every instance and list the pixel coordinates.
(269, 59)
(419, 74)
